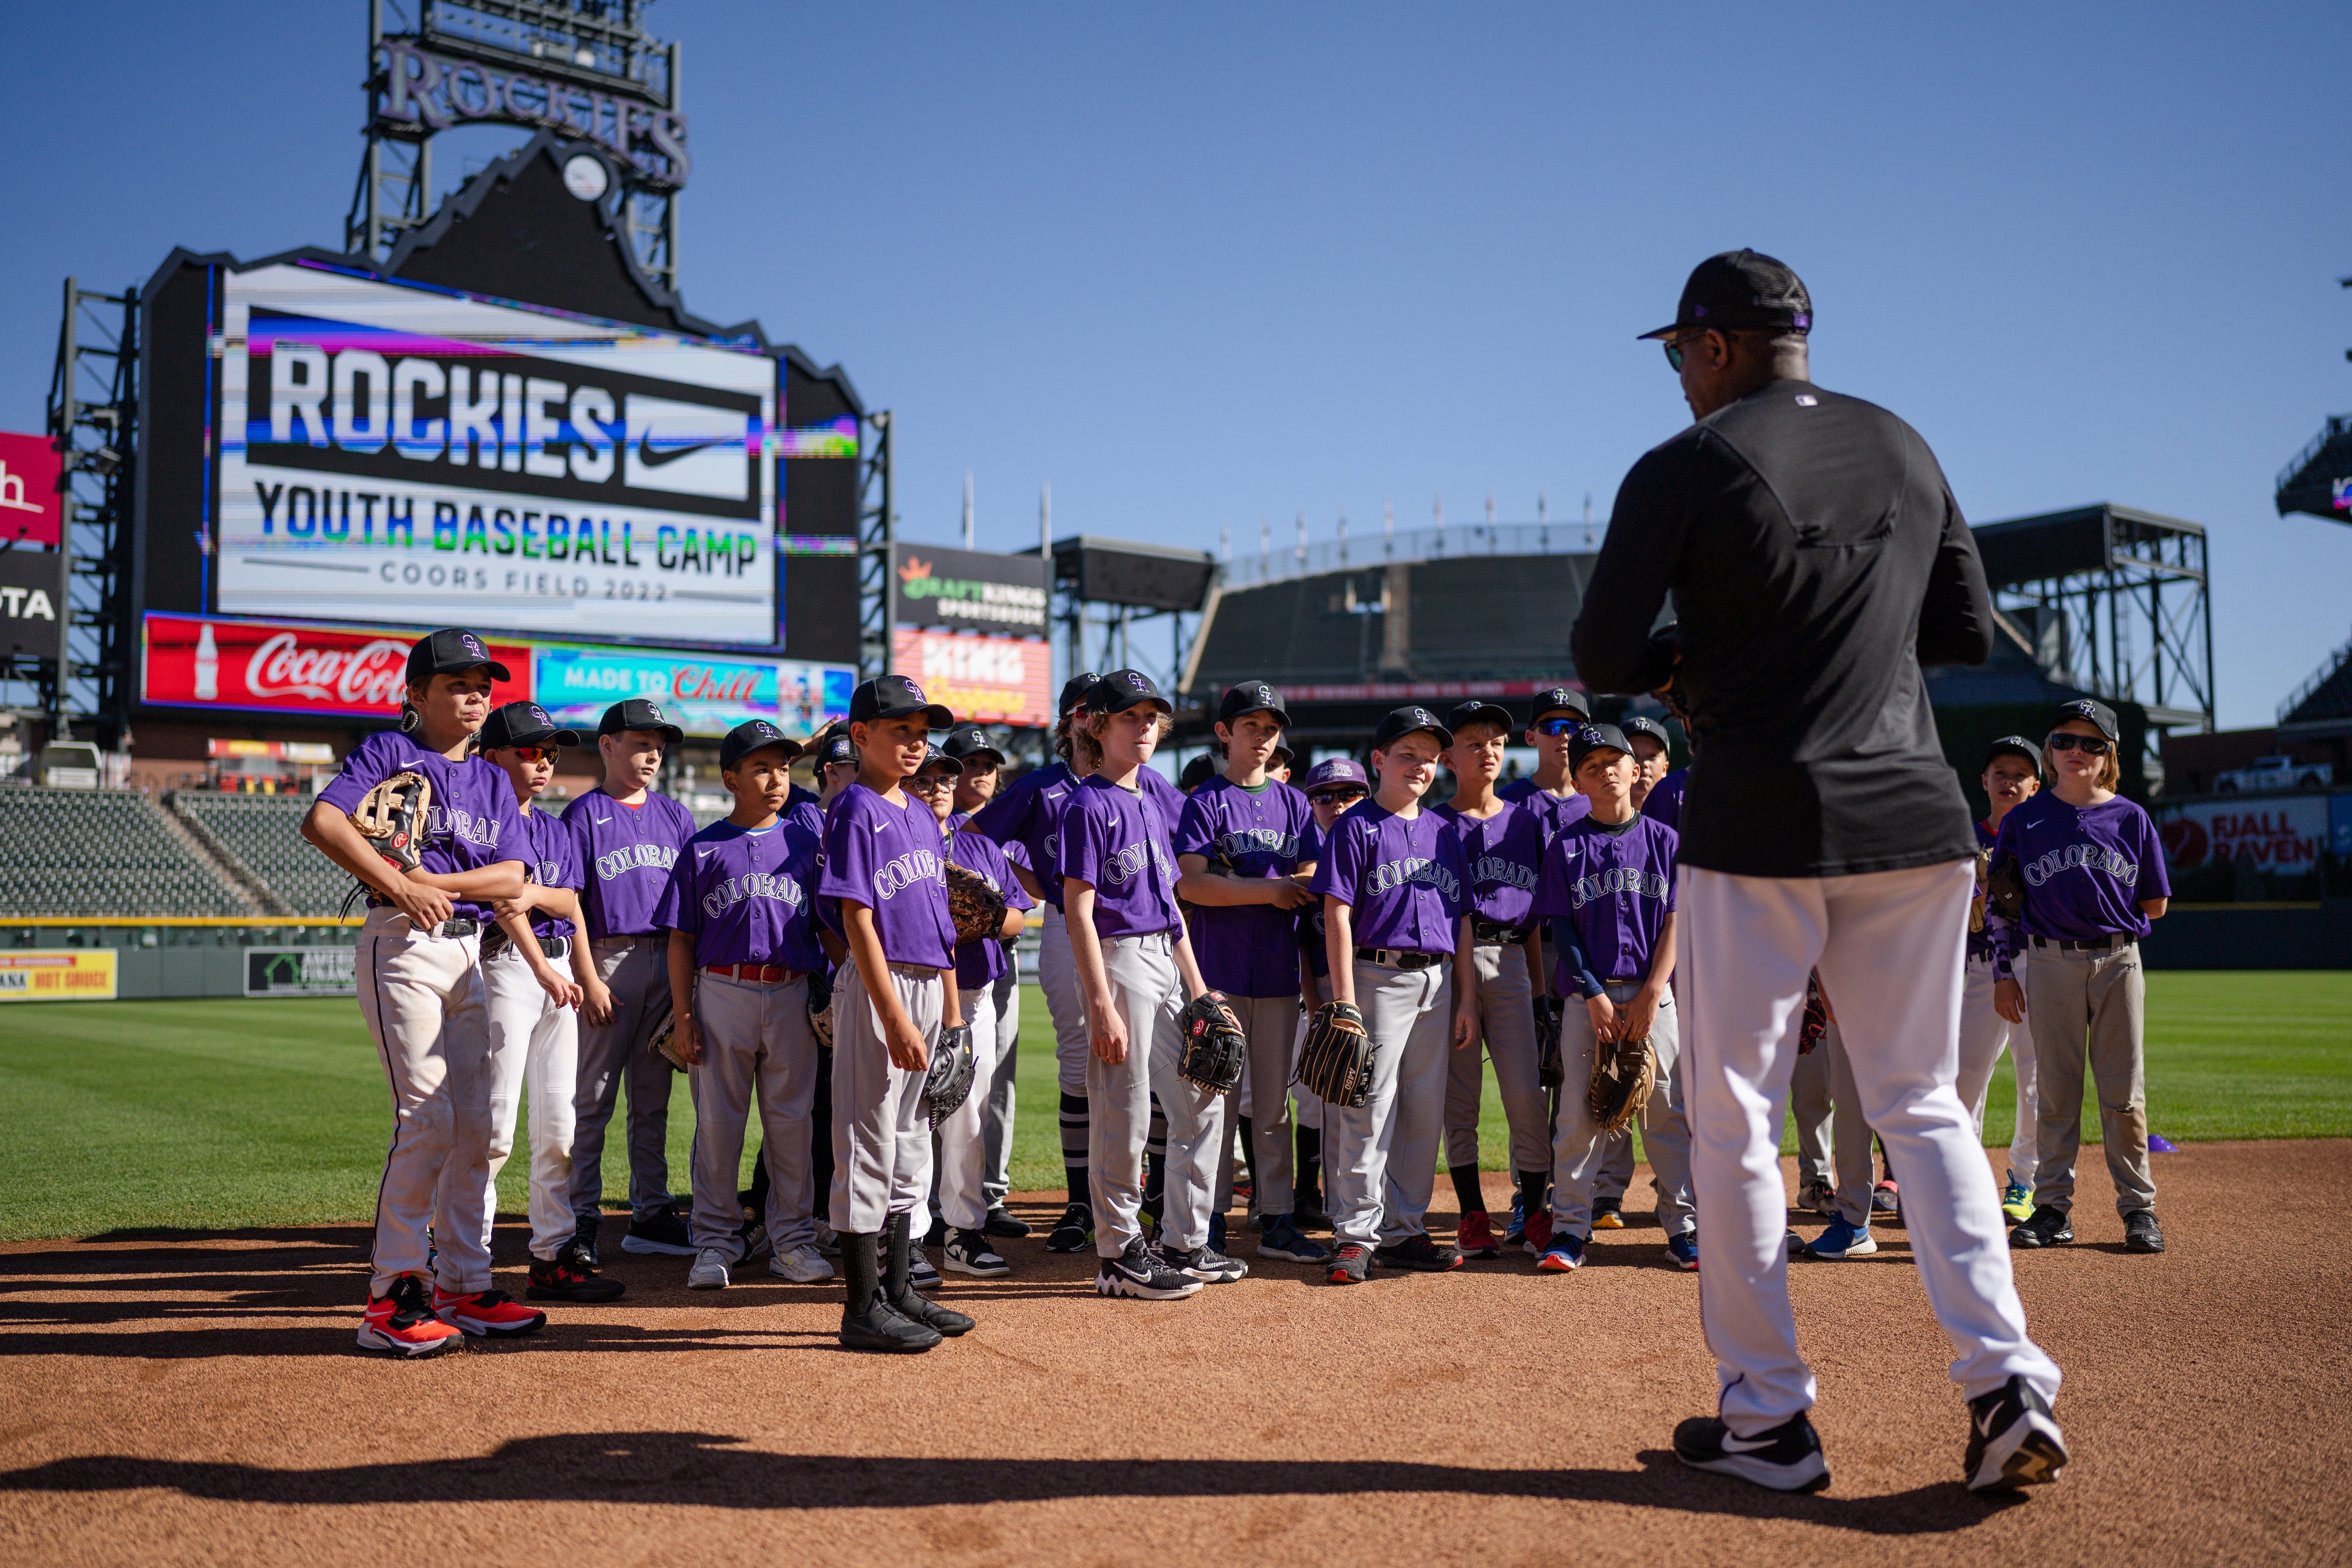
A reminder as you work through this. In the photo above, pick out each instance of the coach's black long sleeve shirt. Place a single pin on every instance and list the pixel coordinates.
(1817, 561)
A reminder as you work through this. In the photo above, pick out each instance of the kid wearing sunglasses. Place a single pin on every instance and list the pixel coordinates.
(2095, 878)
(1553, 717)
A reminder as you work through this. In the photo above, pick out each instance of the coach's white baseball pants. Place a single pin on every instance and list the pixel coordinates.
(881, 1128)
(424, 1001)
(533, 1041)
(1983, 1033)
(1149, 993)
(758, 1055)
(1506, 1013)
(1889, 948)
(1380, 1158)
(959, 1182)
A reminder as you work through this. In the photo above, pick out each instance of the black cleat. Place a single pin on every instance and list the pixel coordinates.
(1350, 1264)
(2048, 1227)
(1004, 1225)
(1075, 1233)
(1144, 1274)
(570, 1278)
(2014, 1441)
(657, 1234)
(929, 1314)
(1786, 1457)
(1420, 1254)
(2142, 1233)
(1207, 1265)
(880, 1328)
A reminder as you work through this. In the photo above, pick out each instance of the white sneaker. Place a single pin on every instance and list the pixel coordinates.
(709, 1271)
(802, 1265)
(828, 1240)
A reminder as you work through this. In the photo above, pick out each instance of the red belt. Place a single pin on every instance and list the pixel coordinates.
(758, 974)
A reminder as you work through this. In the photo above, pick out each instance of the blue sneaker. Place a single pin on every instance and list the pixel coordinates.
(1518, 1231)
(1283, 1239)
(1684, 1250)
(1842, 1241)
(1566, 1252)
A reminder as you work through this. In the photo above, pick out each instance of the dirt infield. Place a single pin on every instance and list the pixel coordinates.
(198, 1399)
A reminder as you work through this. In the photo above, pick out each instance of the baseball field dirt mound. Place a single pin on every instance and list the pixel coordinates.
(170, 1398)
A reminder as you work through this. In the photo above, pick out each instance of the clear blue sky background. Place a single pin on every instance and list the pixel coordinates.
(1196, 264)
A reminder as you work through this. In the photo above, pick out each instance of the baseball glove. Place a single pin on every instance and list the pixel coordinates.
(1622, 1072)
(820, 1007)
(1817, 1017)
(665, 1042)
(1549, 1072)
(946, 1084)
(977, 908)
(392, 815)
(1335, 1061)
(2005, 887)
(1214, 1046)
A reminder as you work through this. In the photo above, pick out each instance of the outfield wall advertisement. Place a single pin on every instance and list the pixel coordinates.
(62, 975)
(301, 971)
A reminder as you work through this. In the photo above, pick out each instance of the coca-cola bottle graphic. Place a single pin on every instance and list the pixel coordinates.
(207, 666)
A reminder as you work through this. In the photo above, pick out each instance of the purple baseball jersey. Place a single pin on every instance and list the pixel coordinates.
(2086, 868)
(1028, 812)
(1505, 853)
(1404, 877)
(980, 961)
(1553, 811)
(748, 895)
(627, 854)
(886, 858)
(1246, 949)
(472, 815)
(1664, 801)
(1117, 842)
(554, 863)
(1617, 888)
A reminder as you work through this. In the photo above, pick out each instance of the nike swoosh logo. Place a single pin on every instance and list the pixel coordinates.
(1984, 1426)
(1738, 1445)
(651, 459)
(602, 820)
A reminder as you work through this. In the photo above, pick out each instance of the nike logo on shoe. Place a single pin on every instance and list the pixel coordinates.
(1736, 1443)
(1985, 1422)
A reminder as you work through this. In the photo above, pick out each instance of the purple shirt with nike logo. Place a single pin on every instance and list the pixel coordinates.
(889, 859)
(1404, 877)
(472, 822)
(1617, 888)
(748, 895)
(1117, 842)
(627, 854)
(1246, 949)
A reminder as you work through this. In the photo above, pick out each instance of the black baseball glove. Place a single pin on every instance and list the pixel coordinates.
(1214, 1046)
(948, 1083)
(1335, 1061)
(1548, 1011)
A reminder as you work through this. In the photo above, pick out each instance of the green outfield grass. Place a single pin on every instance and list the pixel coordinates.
(215, 1115)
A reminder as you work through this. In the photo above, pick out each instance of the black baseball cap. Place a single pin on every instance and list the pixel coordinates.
(2091, 708)
(837, 748)
(2013, 745)
(1592, 737)
(448, 651)
(636, 713)
(754, 734)
(1476, 712)
(1282, 755)
(895, 697)
(1251, 697)
(1558, 699)
(1407, 720)
(969, 740)
(1074, 689)
(523, 724)
(1651, 727)
(1123, 689)
(934, 759)
(1741, 290)
(1196, 773)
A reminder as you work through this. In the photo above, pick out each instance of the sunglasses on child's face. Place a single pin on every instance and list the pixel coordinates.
(534, 754)
(1337, 797)
(931, 783)
(2089, 744)
(1559, 727)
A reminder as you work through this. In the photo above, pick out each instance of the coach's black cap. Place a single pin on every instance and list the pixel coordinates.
(1074, 689)
(1196, 773)
(1558, 699)
(1123, 689)
(1407, 720)
(1592, 737)
(2091, 708)
(1651, 727)
(636, 713)
(446, 652)
(755, 734)
(1464, 714)
(969, 740)
(2013, 745)
(523, 724)
(1252, 697)
(1741, 290)
(837, 748)
(895, 697)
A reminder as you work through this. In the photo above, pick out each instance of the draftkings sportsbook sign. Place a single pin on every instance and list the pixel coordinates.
(392, 452)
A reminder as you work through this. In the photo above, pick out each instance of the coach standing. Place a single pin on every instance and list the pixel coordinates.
(1817, 560)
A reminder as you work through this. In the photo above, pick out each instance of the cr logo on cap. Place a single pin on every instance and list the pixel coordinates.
(538, 716)
(472, 646)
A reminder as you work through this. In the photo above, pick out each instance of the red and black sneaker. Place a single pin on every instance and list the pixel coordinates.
(1475, 1233)
(1420, 1254)
(569, 1278)
(399, 1322)
(1350, 1264)
(490, 1313)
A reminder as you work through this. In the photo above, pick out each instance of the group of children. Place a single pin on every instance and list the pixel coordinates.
(802, 955)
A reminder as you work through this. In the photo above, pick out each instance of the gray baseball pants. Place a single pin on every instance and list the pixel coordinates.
(881, 1128)
(1809, 1103)
(1057, 977)
(757, 1047)
(996, 1121)
(959, 1190)
(1505, 1010)
(1578, 1146)
(1380, 1158)
(636, 970)
(1148, 994)
(1850, 1156)
(533, 1041)
(1983, 1033)
(2073, 999)
(1264, 1093)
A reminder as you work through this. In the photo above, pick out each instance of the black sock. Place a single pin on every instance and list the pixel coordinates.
(1155, 1163)
(858, 1269)
(899, 1259)
(1535, 1191)
(1465, 1189)
(1074, 1144)
(1249, 1151)
(820, 1137)
(1309, 1185)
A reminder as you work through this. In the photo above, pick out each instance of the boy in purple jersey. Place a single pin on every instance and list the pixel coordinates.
(894, 995)
(2095, 878)
(1248, 828)
(1553, 716)
(1135, 966)
(1653, 754)
(1398, 929)
(534, 1021)
(421, 991)
(2012, 777)
(1502, 845)
(1614, 1172)
(1608, 890)
(742, 944)
(1335, 786)
(959, 1199)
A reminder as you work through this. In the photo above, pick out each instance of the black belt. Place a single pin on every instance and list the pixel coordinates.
(463, 925)
(495, 942)
(1485, 932)
(2088, 944)
(1401, 957)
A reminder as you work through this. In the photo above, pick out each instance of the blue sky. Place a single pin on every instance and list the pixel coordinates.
(1199, 264)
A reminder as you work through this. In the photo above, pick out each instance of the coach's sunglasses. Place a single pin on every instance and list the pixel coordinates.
(1674, 348)
(2089, 744)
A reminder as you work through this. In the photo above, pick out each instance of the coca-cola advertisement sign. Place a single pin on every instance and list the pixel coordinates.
(196, 661)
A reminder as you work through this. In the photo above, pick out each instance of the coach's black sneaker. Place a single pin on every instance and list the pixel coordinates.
(1144, 1274)
(1004, 1225)
(570, 1278)
(1350, 1264)
(2142, 1233)
(1075, 1233)
(1786, 1457)
(1420, 1254)
(2014, 1441)
(1206, 1264)
(664, 1232)
(968, 1252)
(2048, 1227)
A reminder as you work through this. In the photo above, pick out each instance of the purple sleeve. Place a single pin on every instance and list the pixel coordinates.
(1343, 857)
(1451, 856)
(565, 847)
(1670, 845)
(1195, 835)
(678, 909)
(1006, 818)
(849, 851)
(514, 837)
(2155, 879)
(1086, 839)
(365, 765)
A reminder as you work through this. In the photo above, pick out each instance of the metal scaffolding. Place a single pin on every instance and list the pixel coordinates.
(877, 538)
(92, 416)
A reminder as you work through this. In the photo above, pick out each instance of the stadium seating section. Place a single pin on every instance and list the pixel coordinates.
(102, 851)
(260, 835)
